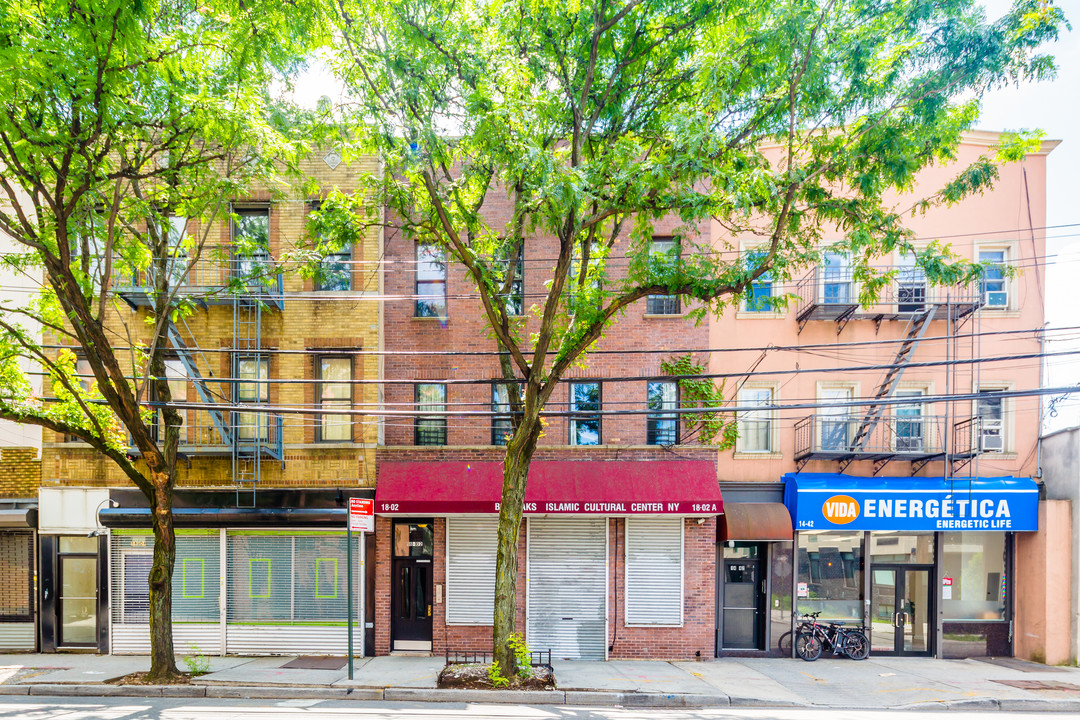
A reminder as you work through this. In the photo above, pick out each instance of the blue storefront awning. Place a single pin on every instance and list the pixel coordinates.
(831, 501)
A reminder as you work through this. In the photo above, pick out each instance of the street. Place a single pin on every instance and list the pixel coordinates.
(185, 709)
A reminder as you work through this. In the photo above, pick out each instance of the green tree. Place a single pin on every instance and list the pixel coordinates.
(786, 121)
(119, 117)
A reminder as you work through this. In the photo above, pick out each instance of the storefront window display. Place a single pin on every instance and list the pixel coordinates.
(830, 574)
(974, 596)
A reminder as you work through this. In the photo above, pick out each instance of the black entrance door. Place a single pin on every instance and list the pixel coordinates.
(411, 585)
(742, 608)
(900, 610)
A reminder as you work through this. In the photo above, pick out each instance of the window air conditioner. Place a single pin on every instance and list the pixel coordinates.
(992, 443)
(996, 299)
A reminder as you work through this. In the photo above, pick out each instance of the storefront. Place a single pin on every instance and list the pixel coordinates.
(18, 617)
(925, 563)
(614, 558)
(262, 580)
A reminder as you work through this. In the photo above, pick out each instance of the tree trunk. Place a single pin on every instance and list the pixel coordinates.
(519, 452)
(162, 656)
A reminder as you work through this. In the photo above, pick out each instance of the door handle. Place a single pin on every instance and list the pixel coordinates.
(896, 620)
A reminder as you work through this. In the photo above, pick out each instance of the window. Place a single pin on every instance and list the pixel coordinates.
(836, 423)
(976, 563)
(288, 579)
(836, 279)
(663, 251)
(334, 391)
(995, 290)
(16, 576)
(88, 242)
(176, 377)
(195, 584)
(831, 569)
(585, 420)
(501, 426)
(909, 423)
(990, 409)
(251, 243)
(589, 293)
(471, 544)
(654, 571)
(755, 426)
(84, 376)
(334, 271)
(759, 297)
(515, 299)
(662, 423)
(252, 388)
(910, 285)
(431, 398)
(430, 281)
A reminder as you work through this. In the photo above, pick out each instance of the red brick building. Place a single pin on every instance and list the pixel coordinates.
(617, 551)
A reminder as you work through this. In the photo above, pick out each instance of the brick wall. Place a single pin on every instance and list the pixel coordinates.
(464, 330)
(20, 472)
(698, 631)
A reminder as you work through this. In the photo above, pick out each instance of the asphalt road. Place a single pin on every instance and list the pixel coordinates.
(120, 708)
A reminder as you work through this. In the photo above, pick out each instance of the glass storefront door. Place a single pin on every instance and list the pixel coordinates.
(78, 618)
(900, 610)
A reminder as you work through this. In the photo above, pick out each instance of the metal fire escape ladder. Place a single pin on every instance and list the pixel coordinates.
(195, 375)
(916, 329)
(247, 446)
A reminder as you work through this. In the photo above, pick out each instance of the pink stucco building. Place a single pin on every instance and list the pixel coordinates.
(876, 418)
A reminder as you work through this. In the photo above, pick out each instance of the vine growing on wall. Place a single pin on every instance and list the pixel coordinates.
(713, 427)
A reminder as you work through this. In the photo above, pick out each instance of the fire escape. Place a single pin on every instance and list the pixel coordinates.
(221, 427)
(887, 430)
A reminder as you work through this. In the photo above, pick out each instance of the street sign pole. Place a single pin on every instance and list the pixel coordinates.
(349, 592)
(362, 518)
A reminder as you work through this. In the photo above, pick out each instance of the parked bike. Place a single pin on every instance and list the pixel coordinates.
(813, 637)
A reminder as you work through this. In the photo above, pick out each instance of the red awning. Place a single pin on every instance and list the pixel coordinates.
(668, 487)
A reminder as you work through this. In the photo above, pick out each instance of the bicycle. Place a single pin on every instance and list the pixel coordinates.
(813, 637)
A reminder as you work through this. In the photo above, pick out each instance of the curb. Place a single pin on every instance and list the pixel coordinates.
(524, 697)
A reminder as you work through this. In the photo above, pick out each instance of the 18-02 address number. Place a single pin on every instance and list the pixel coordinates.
(390, 507)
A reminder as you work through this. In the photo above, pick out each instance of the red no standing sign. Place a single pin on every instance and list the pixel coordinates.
(361, 515)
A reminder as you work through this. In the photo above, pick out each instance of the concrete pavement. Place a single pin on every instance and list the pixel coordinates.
(877, 683)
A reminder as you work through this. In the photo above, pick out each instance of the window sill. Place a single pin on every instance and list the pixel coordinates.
(441, 319)
(665, 316)
(760, 315)
(746, 455)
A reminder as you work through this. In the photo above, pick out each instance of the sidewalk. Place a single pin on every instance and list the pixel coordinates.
(877, 683)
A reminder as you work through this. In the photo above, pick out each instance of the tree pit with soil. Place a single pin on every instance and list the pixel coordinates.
(474, 676)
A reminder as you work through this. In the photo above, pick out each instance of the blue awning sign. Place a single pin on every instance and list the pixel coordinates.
(827, 501)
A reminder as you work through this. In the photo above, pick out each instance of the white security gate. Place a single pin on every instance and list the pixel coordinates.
(567, 587)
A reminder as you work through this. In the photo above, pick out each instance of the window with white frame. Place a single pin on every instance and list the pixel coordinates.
(759, 298)
(334, 391)
(654, 571)
(909, 426)
(585, 424)
(662, 422)
(836, 280)
(430, 281)
(471, 545)
(756, 426)
(836, 422)
(990, 410)
(664, 251)
(995, 286)
(430, 429)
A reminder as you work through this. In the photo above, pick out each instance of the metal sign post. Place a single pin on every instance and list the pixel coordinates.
(362, 519)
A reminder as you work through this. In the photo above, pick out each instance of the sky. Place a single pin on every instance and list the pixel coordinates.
(1055, 108)
(1052, 106)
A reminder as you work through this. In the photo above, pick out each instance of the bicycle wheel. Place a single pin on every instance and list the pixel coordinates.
(784, 644)
(856, 646)
(808, 646)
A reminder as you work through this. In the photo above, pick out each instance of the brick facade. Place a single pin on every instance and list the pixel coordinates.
(312, 323)
(20, 472)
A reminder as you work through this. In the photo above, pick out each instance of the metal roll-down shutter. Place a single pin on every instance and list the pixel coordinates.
(471, 544)
(567, 587)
